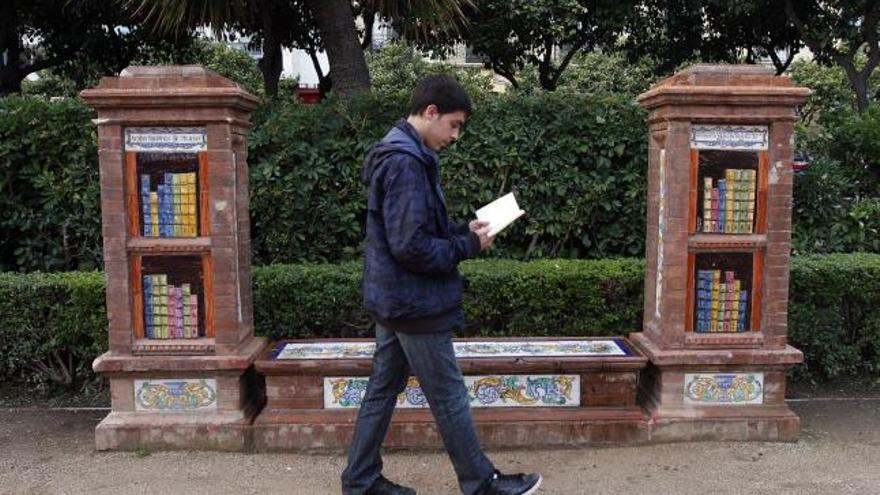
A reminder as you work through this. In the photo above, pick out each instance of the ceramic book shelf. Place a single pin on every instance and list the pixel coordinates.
(726, 227)
(173, 162)
(717, 256)
(166, 179)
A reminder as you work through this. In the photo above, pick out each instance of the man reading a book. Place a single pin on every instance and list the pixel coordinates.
(414, 291)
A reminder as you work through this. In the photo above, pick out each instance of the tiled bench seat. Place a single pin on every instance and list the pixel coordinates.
(524, 391)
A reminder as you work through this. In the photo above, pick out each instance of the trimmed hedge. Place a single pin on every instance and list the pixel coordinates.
(55, 322)
(834, 314)
(503, 297)
(52, 325)
(50, 204)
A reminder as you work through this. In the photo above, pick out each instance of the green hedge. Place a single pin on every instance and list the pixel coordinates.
(55, 322)
(52, 325)
(834, 314)
(50, 200)
(503, 297)
(576, 163)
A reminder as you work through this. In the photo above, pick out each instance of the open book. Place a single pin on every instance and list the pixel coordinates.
(500, 213)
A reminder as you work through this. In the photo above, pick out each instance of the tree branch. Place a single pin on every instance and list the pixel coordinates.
(809, 40)
(40, 367)
(369, 17)
(68, 378)
(316, 63)
(869, 32)
(567, 60)
(777, 62)
(504, 73)
(43, 64)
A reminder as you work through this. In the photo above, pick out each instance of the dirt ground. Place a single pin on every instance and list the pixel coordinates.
(50, 451)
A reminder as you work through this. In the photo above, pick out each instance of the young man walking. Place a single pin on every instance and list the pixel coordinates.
(414, 291)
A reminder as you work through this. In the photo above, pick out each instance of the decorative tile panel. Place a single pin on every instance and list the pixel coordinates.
(175, 395)
(166, 139)
(661, 227)
(729, 137)
(483, 391)
(723, 388)
(551, 348)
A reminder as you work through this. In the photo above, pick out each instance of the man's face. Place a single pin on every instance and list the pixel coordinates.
(442, 129)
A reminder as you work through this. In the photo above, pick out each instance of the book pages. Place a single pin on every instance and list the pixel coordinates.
(500, 213)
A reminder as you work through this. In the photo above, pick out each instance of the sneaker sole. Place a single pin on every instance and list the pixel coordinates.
(534, 487)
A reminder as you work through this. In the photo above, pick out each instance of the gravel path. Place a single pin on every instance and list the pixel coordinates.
(51, 452)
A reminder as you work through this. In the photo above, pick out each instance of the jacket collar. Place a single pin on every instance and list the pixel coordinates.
(404, 128)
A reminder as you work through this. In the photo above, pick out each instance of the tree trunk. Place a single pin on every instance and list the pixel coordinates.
(546, 66)
(272, 62)
(10, 81)
(271, 66)
(860, 86)
(857, 82)
(347, 65)
(10, 50)
(369, 16)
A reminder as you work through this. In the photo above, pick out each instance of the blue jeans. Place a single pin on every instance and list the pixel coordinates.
(432, 359)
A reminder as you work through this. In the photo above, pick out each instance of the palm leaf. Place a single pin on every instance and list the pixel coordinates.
(418, 19)
(180, 15)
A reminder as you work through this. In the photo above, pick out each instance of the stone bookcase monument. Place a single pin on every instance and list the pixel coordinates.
(717, 260)
(174, 202)
(186, 371)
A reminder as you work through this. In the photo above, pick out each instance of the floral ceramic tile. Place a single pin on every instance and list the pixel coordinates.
(483, 391)
(175, 395)
(472, 349)
(723, 388)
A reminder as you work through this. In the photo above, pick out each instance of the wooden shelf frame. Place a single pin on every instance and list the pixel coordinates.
(760, 195)
(132, 192)
(137, 301)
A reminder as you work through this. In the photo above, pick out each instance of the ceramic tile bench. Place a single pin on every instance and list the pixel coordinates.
(523, 391)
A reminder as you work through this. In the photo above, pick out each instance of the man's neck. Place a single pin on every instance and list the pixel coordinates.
(418, 124)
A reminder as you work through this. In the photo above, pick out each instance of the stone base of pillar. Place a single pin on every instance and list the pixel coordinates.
(731, 394)
(181, 402)
(216, 431)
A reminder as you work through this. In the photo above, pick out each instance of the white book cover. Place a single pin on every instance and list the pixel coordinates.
(500, 213)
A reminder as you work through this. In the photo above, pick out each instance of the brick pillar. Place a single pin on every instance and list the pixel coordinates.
(172, 389)
(709, 378)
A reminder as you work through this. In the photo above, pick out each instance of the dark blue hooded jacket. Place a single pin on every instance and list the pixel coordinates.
(411, 280)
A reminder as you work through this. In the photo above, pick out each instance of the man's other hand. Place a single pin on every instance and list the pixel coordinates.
(476, 225)
(483, 234)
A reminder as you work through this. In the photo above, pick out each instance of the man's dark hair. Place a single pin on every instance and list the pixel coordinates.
(441, 90)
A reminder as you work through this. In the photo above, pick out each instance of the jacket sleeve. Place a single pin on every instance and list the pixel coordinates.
(460, 228)
(406, 215)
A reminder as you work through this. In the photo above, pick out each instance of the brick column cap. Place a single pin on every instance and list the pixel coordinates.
(164, 86)
(724, 84)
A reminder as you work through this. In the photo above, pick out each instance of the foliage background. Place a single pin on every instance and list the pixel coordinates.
(575, 157)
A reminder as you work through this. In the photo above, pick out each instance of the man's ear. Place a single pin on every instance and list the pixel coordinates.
(431, 112)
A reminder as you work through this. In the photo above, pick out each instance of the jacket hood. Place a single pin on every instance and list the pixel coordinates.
(402, 138)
